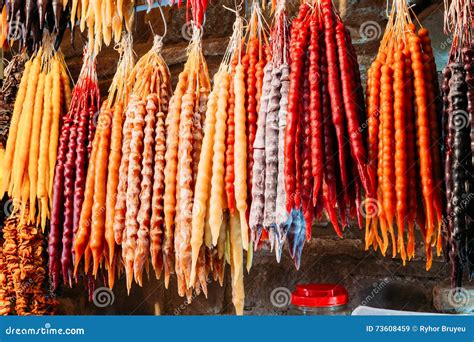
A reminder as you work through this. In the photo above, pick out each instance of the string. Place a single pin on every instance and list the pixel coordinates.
(234, 43)
(165, 26)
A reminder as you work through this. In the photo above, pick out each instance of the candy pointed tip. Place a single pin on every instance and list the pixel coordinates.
(111, 281)
(192, 277)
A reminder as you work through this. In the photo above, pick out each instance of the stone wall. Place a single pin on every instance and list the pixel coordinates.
(370, 278)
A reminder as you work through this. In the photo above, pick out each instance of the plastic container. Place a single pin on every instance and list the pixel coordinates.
(319, 299)
(369, 311)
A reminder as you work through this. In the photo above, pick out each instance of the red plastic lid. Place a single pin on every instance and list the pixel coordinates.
(319, 295)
